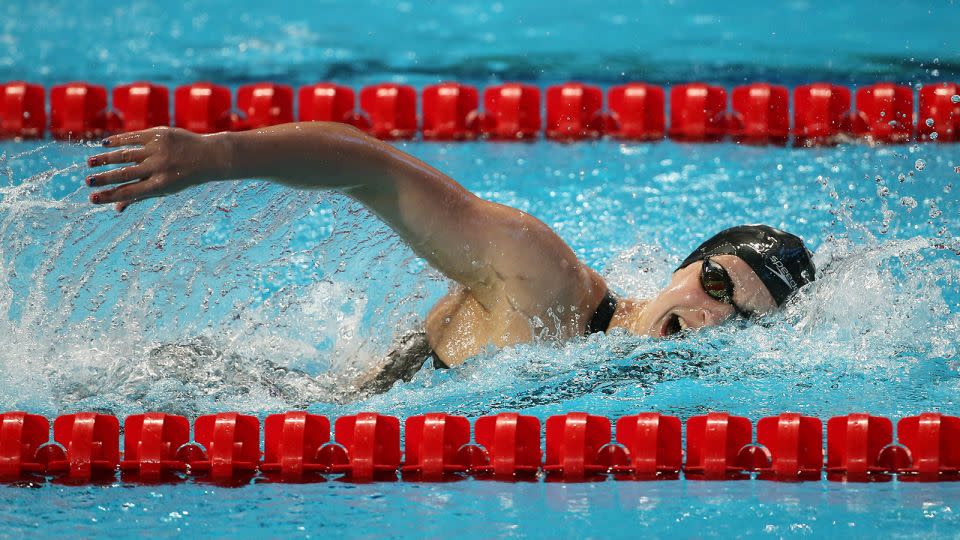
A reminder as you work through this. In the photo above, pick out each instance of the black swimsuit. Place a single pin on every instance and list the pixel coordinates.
(603, 315)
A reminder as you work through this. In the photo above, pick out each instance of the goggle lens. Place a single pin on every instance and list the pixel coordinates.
(716, 282)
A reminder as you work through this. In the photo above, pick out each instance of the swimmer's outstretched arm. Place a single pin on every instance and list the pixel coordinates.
(501, 254)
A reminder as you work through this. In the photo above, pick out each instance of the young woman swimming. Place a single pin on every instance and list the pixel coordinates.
(511, 269)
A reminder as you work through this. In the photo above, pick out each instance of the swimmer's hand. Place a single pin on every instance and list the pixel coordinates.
(157, 162)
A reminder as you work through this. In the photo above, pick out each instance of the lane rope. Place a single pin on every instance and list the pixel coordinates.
(298, 447)
(758, 113)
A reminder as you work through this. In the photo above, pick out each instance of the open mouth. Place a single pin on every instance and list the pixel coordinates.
(672, 325)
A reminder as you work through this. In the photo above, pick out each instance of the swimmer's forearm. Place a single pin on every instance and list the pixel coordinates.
(309, 155)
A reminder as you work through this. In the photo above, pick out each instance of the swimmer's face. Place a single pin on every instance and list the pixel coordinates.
(684, 304)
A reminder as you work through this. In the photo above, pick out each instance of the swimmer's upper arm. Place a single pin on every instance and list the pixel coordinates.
(499, 253)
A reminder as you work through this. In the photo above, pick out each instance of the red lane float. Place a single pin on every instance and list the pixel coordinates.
(368, 447)
(89, 447)
(264, 104)
(574, 112)
(392, 109)
(203, 108)
(140, 105)
(510, 443)
(326, 102)
(636, 112)
(229, 446)
(450, 112)
(151, 443)
(511, 112)
(761, 114)
(653, 446)
(22, 110)
(78, 111)
(292, 446)
(715, 447)
(821, 114)
(884, 113)
(939, 117)
(859, 449)
(574, 443)
(21, 436)
(794, 447)
(698, 112)
(933, 443)
(433, 444)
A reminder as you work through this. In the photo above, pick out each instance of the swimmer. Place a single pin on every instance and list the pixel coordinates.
(509, 268)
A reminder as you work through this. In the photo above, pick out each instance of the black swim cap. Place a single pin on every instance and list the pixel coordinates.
(779, 258)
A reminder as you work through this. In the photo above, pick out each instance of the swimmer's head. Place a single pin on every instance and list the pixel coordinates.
(743, 271)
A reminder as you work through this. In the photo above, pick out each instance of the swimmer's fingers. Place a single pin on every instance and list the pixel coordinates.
(119, 176)
(131, 138)
(124, 155)
(130, 193)
(121, 206)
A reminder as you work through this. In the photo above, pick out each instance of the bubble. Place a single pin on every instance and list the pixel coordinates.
(920, 164)
(934, 135)
(955, 98)
(908, 202)
(929, 122)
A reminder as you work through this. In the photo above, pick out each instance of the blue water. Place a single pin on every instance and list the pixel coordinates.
(254, 298)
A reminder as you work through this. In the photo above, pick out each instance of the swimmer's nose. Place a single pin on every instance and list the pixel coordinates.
(710, 316)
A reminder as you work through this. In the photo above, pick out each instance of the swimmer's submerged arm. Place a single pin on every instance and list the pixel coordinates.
(496, 251)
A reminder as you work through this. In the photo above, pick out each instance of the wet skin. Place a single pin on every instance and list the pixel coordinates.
(509, 267)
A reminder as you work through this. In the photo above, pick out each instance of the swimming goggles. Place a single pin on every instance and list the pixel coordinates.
(717, 284)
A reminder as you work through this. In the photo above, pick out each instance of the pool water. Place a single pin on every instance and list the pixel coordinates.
(259, 299)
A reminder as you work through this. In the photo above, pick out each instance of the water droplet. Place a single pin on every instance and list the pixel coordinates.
(920, 164)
